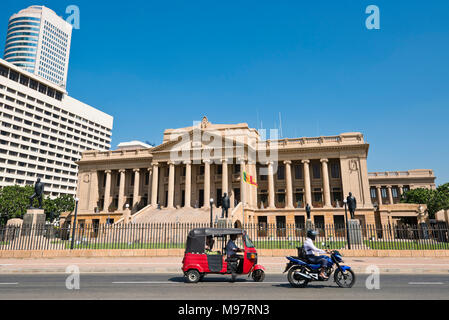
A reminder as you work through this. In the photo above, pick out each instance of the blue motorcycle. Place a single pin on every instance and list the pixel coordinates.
(300, 273)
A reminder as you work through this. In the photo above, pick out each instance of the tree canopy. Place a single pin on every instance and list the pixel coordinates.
(435, 200)
(14, 201)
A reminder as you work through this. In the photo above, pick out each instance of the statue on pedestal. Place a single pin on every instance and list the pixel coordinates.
(38, 193)
(352, 204)
(308, 211)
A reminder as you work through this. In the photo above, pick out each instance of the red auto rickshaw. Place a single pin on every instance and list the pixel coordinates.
(201, 259)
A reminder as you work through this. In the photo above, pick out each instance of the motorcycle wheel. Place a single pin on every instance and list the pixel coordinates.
(259, 275)
(295, 281)
(192, 276)
(344, 279)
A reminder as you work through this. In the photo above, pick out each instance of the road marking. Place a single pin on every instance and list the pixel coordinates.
(172, 282)
(7, 284)
(425, 283)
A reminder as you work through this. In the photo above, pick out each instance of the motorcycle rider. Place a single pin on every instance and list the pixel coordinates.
(310, 251)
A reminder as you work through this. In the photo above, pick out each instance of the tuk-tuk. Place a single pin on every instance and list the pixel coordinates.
(206, 254)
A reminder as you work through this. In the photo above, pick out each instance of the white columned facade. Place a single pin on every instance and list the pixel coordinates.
(288, 181)
(136, 191)
(107, 191)
(271, 204)
(207, 184)
(171, 185)
(188, 185)
(307, 186)
(155, 182)
(326, 186)
(121, 194)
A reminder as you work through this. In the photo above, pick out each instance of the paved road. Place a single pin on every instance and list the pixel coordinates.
(172, 286)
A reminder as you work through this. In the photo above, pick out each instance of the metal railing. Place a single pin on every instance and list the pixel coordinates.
(264, 236)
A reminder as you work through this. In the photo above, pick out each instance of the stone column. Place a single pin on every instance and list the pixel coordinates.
(401, 190)
(155, 183)
(207, 184)
(271, 194)
(188, 185)
(171, 185)
(107, 191)
(390, 195)
(307, 186)
(121, 194)
(288, 181)
(326, 186)
(136, 191)
(379, 195)
(243, 196)
(150, 178)
(224, 177)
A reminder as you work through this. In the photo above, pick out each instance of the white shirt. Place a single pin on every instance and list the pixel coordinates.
(310, 248)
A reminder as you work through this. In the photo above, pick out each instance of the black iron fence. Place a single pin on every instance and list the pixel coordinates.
(174, 235)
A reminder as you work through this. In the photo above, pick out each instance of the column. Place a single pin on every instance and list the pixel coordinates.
(154, 186)
(243, 196)
(136, 191)
(390, 195)
(288, 181)
(271, 194)
(224, 177)
(188, 185)
(401, 191)
(307, 187)
(171, 185)
(121, 194)
(150, 178)
(107, 191)
(379, 195)
(326, 186)
(207, 184)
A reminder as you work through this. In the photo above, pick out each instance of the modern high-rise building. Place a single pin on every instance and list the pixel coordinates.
(43, 132)
(38, 40)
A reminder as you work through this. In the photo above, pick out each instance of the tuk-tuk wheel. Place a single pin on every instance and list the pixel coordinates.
(192, 276)
(259, 275)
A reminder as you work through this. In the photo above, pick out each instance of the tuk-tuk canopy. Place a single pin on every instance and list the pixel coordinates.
(196, 240)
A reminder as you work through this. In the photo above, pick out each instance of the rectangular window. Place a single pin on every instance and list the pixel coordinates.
(281, 173)
(335, 170)
(298, 172)
(316, 171)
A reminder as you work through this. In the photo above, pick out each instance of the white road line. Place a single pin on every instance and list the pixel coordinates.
(7, 284)
(425, 283)
(171, 282)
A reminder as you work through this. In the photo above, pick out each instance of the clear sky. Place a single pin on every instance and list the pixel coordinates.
(163, 64)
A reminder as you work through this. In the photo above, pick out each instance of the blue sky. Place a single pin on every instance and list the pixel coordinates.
(163, 64)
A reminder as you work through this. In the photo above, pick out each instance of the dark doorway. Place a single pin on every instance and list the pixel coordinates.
(219, 196)
(183, 198)
(237, 195)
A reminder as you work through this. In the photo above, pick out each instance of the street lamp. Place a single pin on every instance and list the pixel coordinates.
(74, 223)
(211, 202)
(346, 220)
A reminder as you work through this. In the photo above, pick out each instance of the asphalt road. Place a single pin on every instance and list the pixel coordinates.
(172, 287)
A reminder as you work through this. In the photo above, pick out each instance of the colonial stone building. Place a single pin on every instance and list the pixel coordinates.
(198, 163)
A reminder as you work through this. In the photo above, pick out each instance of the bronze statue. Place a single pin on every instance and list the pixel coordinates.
(308, 211)
(352, 204)
(38, 193)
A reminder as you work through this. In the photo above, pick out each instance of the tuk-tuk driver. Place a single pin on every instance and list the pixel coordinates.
(232, 249)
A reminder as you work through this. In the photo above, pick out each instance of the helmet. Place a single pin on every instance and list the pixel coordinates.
(312, 234)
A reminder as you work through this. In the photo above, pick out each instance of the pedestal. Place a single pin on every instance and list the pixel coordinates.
(223, 223)
(309, 224)
(355, 232)
(33, 220)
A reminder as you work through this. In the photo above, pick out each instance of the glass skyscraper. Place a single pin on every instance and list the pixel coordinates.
(38, 40)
